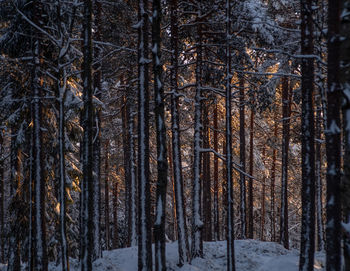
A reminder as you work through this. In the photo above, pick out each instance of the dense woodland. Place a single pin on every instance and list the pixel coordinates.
(132, 123)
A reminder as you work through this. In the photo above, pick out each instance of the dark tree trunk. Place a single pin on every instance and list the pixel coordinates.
(97, 92)
(250, 184)
(162, 163)
(197, 223)
(144, 212)
(107, 227)
(183, 246)
(273, 179)
(242, 157)
(230, 216)
(263, 195)
(87, 200)
(207, 229)
(216, 178)
(284, 237)
(307, 246)
(333, 141)
(345, 83)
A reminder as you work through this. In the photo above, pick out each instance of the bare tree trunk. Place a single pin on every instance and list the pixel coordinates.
(242, 159)
(307, 246)
(273, 178)
(250, 184)
(284, 237)
(207, 229)
(216, 178)
(162, 163)
(230, 216)
(183, 246)
(263, 195)
(144, 213)
(107, 226)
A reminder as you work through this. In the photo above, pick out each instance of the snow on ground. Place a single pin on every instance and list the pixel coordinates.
(250, 255)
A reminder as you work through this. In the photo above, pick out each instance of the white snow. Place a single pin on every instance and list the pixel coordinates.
(250, 255)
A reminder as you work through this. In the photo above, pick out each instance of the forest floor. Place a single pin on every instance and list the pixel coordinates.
(250, 255)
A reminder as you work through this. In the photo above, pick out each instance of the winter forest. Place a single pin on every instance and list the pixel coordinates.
(174, 135)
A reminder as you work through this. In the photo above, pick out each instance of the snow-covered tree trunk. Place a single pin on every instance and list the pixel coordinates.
(144, 224)
(183, 246)
(242, 157)
(251, 181)
(345, 85)
(197, 224)
(333, 141)
(284, 236)
(87, 203)
(307, 246)
(230, 218)
(162, 163)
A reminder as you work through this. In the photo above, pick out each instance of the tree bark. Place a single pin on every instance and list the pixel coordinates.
(216, 178)
(273, 179)
(144, 212)
(307, 246)
(250, 184)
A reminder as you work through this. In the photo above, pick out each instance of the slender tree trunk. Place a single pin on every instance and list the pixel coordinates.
(40, 256)
(207, 229)
(87, 212)
(224, 192)
(250, 184)
(171, 175)
(183, 246)
(242, 157)
(284, 237)
(307, 247)
(125, 111)
(162, 163)
(115, 216)
(144, 224)
(273, 178)
(107, 227)
(345, 84)
(318, 172)
(263, 195)
(230, 216)
(97, 92)
(197, 223)
(216, 178)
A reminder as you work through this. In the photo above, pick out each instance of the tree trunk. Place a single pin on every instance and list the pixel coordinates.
(250, 184)
(242, 157)
(333, 141)
(107, 227)
(87, 200)
(183, 246)
(307, 246)
(197, 223)
(216, 178)
(284, 237)
(273, 178)
(345, 84)
(207, 228)
(263, 195)
(230, 216)
(144, 213)
(162, 163)
(2, 182)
